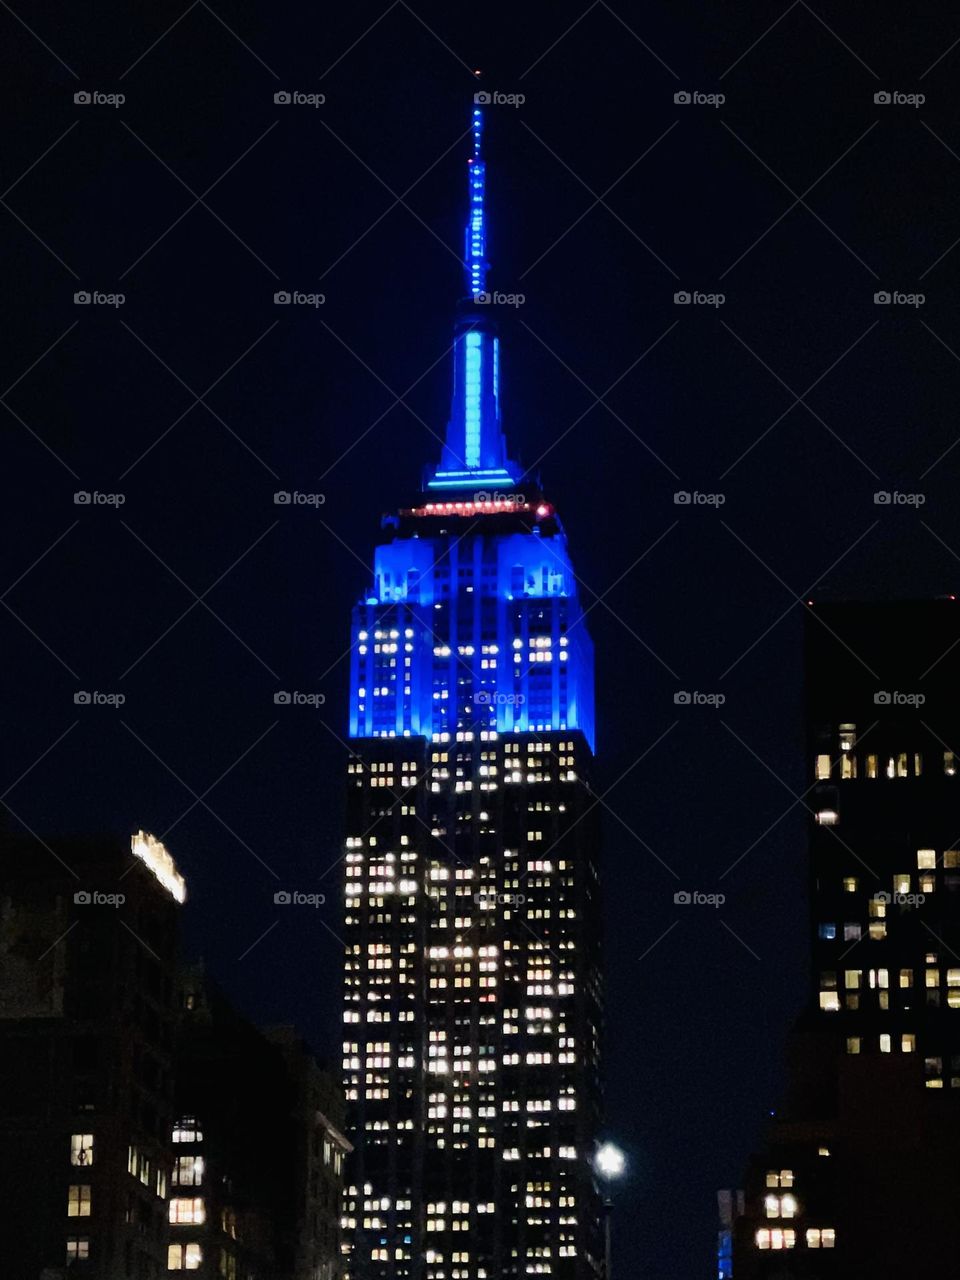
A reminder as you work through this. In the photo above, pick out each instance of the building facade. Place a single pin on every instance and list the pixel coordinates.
(88, 940)
(472, 1006)
(256, 1178)
(858, 1175)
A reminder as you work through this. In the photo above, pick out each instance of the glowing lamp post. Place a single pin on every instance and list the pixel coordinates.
(609, 1163)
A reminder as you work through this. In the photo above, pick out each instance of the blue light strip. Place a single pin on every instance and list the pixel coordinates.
(472, 391)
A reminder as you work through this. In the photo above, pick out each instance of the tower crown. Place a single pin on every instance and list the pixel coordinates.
(475, 451)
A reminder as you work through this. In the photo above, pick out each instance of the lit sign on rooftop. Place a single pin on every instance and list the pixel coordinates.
(157, 860)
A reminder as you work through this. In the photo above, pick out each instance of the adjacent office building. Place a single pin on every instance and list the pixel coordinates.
(859, 1175)
(472, 978)
(257, 1148)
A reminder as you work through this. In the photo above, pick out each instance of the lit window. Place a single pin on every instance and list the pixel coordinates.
(776, 1238)
(188, 1171)
(187, 1130)
(926, 859)
(184, 1257)
(81, 1149)
(78, 1248)
(187, 1209)
(821, 1237)
(78, 1201)
(823, 767)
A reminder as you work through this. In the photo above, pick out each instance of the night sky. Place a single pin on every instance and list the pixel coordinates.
(796, 399)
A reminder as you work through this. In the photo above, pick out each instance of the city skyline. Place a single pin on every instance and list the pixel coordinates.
(796, 399)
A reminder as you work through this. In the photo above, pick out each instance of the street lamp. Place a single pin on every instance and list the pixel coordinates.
(609, 1163)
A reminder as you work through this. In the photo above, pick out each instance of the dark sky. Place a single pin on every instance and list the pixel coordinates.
(798, 199)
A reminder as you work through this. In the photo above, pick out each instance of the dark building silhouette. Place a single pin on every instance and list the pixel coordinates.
(257, 1148)
(88, 937)
(859, 1173)
(472, 977)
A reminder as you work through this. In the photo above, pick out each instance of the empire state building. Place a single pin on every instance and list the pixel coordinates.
(472, 990)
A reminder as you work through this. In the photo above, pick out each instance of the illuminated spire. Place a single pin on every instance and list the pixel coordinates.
(475, 250)
(475, 452)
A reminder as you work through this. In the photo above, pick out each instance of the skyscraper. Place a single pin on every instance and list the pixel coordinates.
(858, 1175)
(472, 976)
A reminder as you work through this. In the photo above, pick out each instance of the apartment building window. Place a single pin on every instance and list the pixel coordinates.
(81, 1149)
(78, 1201)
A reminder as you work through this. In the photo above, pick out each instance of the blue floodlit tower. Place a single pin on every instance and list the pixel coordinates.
(472, 976)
